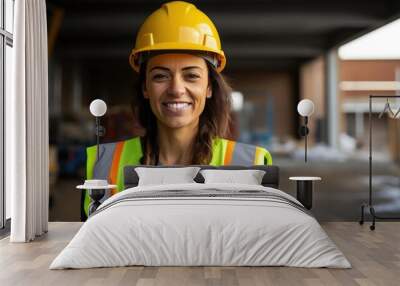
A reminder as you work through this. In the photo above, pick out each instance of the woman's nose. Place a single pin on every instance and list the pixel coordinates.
(177, 85)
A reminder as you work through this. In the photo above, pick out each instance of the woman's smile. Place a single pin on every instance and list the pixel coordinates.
(176, 108)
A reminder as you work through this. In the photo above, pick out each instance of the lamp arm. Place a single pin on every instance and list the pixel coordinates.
(305, 147)
(97, 137)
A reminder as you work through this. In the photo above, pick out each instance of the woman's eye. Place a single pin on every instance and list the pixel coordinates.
(193, 76)
(159, 76)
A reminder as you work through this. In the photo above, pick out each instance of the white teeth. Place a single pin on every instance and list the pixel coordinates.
(178, 106)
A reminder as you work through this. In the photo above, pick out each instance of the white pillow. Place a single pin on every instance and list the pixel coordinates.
(162, 175)
(249, 177)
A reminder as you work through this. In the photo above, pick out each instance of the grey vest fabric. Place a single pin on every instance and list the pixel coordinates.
(243, 154)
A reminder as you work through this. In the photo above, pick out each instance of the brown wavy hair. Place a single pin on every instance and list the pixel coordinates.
(213, 122)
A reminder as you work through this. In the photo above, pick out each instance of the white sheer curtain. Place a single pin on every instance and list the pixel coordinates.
(27, 124)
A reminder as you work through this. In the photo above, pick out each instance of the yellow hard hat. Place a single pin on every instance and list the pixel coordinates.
(178, 25)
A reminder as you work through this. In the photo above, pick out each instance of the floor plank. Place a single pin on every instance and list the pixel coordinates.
(375, 257)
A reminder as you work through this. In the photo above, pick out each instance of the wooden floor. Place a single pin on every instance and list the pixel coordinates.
(374, 255)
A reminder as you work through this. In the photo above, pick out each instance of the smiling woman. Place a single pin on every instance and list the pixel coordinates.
(182, 101)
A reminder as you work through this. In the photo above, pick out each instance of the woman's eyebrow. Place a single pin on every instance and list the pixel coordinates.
(161, 68)
(191, 67)
(167, 69)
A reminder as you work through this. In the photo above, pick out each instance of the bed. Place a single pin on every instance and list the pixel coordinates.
(201, 224)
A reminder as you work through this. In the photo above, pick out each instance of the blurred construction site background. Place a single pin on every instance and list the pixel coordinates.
(335, 53)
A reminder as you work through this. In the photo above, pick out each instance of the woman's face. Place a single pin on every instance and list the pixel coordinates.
(177, 87)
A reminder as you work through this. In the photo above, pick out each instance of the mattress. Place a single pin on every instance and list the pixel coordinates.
(201, 225)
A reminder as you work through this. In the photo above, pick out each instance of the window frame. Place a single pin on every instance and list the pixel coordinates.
(6, 39)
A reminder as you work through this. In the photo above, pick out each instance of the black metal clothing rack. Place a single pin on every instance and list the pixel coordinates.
(370, 202)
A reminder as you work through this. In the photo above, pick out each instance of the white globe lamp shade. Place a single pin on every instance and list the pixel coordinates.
(305, 107)
(237, 100)
(98, 107)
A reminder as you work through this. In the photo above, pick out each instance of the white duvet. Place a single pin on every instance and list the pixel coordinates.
(189, 230)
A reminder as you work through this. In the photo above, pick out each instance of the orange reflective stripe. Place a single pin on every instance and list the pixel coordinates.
(229, 152)
(115, 165)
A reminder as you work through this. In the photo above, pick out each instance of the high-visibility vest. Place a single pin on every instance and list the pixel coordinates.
(113, 157)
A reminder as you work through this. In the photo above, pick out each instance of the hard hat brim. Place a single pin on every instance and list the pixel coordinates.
(134, 56)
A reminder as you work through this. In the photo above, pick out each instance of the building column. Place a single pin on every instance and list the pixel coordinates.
(332, 99)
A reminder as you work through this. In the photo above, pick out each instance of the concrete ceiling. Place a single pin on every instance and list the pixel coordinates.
(270, 35)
